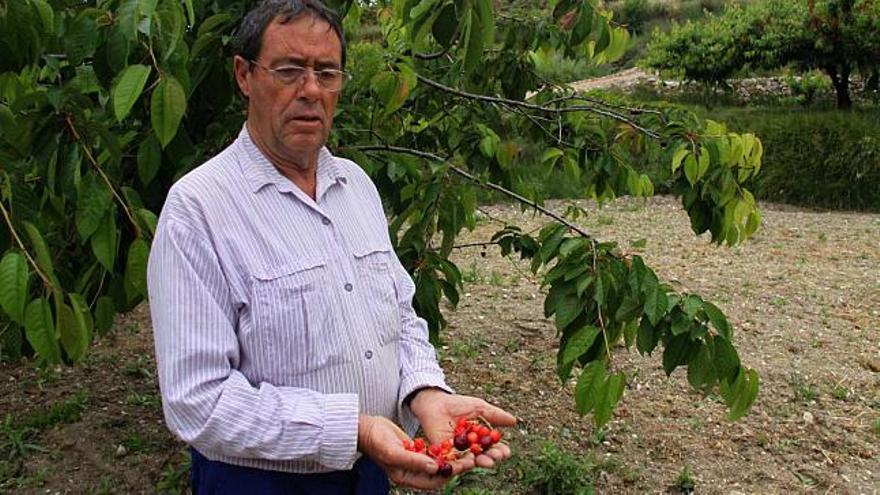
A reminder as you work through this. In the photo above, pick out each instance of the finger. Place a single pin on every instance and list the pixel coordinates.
(400, 458)
(418, 481)
(498, 452)
(484, 461)
(462, 465)
(497, 416)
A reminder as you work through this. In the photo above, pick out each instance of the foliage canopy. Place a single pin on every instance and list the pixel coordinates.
(835, 36)
(105, 103)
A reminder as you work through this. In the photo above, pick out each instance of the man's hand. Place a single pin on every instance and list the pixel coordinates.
(438, 412)
(382, 441)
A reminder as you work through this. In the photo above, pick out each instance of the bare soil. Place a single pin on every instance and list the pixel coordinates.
(803, 294)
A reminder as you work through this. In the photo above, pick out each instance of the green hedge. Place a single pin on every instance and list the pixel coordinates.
(824, 159)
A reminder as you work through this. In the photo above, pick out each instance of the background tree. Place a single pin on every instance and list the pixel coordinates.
(104, 104)
(835, 36)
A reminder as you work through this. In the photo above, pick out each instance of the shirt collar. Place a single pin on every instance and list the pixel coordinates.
(260, 172)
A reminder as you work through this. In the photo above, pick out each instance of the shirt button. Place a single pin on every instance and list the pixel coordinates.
(349, 287)
(368, 354)
(325, 221)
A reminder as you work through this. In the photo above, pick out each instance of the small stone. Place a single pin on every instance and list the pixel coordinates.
(121, 451)
(808, 418)
(873, 365)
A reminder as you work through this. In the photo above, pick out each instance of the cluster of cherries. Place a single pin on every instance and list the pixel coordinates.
(470, 435)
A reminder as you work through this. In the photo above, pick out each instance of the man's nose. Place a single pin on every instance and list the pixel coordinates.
(309, 88)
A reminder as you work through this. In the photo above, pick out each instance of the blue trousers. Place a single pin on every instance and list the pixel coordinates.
(209, 477)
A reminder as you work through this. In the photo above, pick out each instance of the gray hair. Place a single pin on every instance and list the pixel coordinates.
(249, 36)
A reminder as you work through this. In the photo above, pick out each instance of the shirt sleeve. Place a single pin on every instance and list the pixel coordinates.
(418, 359)
(207, 402)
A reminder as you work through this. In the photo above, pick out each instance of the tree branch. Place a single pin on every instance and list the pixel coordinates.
(48, 283)
(106, 179)
(467, 175)
(538, 108)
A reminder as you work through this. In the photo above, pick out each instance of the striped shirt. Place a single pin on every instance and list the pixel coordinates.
(277, 318)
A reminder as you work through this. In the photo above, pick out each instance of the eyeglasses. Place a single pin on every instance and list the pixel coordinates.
(295, 75)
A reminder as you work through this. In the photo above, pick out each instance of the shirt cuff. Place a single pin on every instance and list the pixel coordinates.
(338, 448)
(410, 383)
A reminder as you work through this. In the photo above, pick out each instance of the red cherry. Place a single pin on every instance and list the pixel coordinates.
(476, 449)
(461, 442)
(496, 436)
(486, 442)
(473, 438)
(419, 444)
(445, 470)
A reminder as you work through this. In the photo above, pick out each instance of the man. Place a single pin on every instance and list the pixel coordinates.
(286, 342)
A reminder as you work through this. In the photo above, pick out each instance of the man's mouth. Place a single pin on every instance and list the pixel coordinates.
(308, 119)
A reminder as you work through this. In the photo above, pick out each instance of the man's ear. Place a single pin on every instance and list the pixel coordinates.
(241, 68)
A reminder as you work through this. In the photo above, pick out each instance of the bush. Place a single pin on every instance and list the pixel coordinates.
(825, 159)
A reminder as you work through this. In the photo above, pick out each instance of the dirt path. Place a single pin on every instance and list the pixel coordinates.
(623, 79)
(804, 296)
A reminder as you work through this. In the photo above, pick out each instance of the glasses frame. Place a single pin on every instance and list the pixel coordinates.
(307, 70)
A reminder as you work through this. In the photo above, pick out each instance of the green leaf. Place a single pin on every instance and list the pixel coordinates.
(445, 25)
(576, 345)
(647, 338)
(128, 88)
(40, 330)
(589, 384)
(719, 321)
(92, 202)
(609, 396)
(80, 39)
(104, 312)
(128, 16)
(104, 240)
(14, 285)
(691, 169)
(703, 163)
(74, 336)
(167, 107)
(149, 159)
(727, 361)
(136, 266)
(567, 310)
(745, 394)
(679, 155)
(473, 57)
(680, 350)
(47, 15)
(701, 370)
(149, 219)
(190, 13)
(44, 258)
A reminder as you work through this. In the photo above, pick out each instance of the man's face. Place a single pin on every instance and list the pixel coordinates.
(291, 121)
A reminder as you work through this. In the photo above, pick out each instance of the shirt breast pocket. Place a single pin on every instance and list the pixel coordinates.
(380, 303)
(295, 327)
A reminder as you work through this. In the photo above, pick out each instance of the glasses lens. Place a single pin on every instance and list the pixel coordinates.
(290, 75)
(330, 79)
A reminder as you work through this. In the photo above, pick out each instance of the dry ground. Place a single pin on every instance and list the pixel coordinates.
(804, 296)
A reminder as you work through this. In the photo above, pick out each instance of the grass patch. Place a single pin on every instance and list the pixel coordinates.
(64, 412)
(556, 471)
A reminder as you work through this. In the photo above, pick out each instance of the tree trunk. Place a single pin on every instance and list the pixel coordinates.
(840, 80)
(873, 82)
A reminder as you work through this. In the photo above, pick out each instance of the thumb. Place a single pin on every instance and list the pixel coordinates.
(498, 416)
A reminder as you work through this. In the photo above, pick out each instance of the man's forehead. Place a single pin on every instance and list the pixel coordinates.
(303, 38)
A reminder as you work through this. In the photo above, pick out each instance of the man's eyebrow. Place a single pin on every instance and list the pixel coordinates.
(319, 64)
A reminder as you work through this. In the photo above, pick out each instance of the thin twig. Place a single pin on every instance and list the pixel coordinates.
(48, 283)
(467, 175)
(538, 108)
(476, 244)
(103, 176)
(599, 306)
